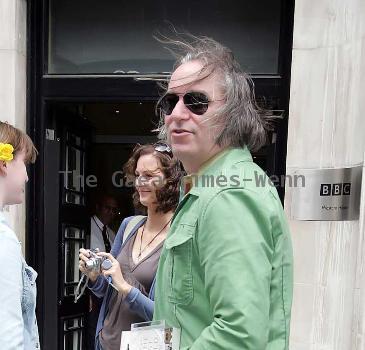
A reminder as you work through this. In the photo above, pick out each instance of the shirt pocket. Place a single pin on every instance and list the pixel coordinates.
(179, 249)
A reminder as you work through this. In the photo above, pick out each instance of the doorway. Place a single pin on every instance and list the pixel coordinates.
(86, 147)
(92, 88)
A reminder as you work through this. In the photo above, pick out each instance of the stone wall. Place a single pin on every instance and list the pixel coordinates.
(327, 130)
(13, 22)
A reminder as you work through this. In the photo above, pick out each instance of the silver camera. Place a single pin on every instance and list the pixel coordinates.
(97, 263)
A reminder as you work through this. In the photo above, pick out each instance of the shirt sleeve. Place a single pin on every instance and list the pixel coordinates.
(11, 325)
(140, 304)
(100, 286)
(235, 248)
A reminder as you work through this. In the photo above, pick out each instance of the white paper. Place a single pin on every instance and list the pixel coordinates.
(126, 337)
(150, 336)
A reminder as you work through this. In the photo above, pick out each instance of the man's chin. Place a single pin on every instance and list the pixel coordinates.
(181, 150)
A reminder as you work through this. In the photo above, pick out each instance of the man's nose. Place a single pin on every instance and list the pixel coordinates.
(180, 111)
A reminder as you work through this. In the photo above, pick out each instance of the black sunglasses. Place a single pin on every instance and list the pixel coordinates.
(195, 102)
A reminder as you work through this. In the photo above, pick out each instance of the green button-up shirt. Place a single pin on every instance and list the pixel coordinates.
(225, 273)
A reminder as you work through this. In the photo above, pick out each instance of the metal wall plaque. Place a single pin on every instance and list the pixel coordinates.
(327, 194)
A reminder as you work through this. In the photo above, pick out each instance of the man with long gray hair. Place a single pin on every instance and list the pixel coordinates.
(225, 274)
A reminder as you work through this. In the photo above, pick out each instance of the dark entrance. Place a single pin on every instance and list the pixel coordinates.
(85, 118)
(85, 148)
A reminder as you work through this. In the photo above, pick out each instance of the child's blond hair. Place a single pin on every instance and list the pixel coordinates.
(20, 141)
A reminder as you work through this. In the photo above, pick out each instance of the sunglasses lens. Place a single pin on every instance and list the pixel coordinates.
(197, 102)
(168, 103)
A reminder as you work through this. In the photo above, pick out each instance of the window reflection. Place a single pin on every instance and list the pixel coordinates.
(91, 36)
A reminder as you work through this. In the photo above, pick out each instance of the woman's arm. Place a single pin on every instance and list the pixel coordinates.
(100, 285)
(142, 305)
(11, 291)
(135, 297)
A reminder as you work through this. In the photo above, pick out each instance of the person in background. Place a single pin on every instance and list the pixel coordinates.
(18, 323)
(137, 246)
(101, 235)
(225, 273)
(101, 238)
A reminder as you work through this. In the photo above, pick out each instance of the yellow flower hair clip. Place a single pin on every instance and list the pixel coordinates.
(6, 152)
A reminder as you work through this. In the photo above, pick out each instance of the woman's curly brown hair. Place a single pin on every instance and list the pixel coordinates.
(168, 194)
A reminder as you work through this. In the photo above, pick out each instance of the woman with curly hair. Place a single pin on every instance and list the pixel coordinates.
(136, 250)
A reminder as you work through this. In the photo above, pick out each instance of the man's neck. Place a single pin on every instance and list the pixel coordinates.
(192, 167)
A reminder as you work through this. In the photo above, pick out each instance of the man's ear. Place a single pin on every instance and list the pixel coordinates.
(3, 168)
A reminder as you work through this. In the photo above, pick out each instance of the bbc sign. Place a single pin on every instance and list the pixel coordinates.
(328, 195)
(343, 189)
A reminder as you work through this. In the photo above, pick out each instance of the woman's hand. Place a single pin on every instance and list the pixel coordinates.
(84, 256)
(115, 272)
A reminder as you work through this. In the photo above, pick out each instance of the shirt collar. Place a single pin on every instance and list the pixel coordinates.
(214, 165)
(98, 222)
(206, 165)
(188, 181)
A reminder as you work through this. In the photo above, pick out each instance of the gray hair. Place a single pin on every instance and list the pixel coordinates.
(239, 121)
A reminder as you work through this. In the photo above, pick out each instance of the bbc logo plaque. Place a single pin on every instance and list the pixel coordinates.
(327, 194)
(340, 189)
